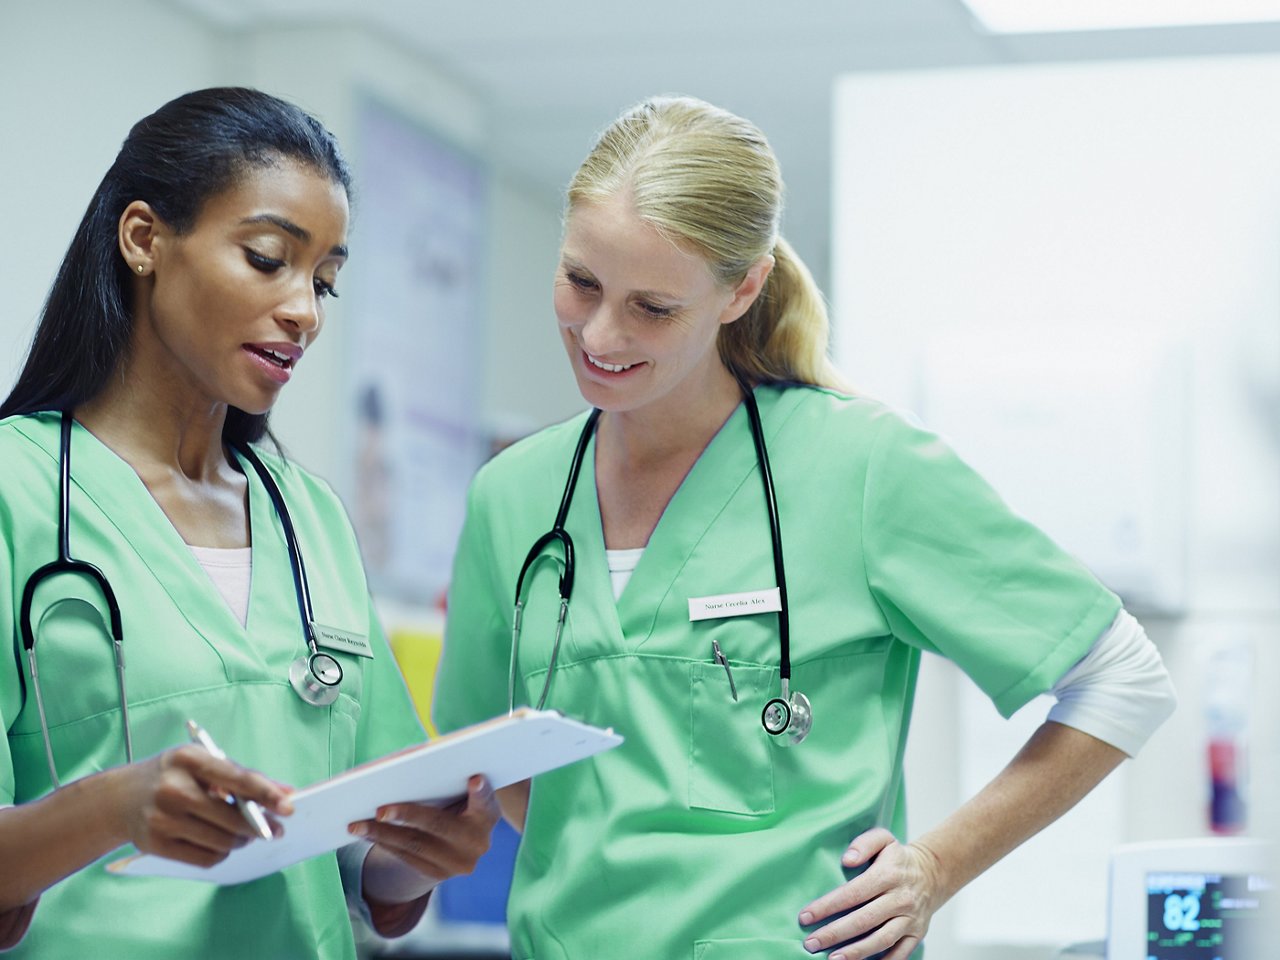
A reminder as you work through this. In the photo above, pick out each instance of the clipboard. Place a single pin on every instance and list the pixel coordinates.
(506, 750)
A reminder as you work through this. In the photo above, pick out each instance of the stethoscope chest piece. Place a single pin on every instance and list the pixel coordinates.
(315, 678)
(789, 719)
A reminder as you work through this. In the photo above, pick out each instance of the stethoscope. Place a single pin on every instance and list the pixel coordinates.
(790, 713)
(314, 676)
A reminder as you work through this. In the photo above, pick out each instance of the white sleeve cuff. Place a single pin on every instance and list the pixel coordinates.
(1120, 692)
(351, 870)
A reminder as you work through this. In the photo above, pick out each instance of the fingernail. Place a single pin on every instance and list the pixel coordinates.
(359, 829)
(852, 855)
(387, 815)
(806, 918)
(836, 956)
(812, 944)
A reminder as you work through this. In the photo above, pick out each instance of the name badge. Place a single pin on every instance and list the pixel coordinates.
(735, 604)
(343, 641)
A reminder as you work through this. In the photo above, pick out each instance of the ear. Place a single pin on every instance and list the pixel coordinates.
(136, 234)
(744, 295)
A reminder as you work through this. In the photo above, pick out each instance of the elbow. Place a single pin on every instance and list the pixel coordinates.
(1168, 703)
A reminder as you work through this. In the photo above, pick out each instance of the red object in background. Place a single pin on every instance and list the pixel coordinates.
(1226, 804)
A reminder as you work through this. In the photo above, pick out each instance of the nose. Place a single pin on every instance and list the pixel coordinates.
(601, 332)
(301, 310)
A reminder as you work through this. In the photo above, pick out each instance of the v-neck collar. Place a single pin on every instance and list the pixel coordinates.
(108, 481)
(728, 461)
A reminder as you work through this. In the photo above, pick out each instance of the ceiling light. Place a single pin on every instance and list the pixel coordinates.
(1049, 16)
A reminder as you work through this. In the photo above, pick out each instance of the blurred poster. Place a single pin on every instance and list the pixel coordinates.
(415, 341)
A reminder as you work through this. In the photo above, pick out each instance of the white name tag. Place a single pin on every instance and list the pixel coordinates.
(343, 641)
(735, 604)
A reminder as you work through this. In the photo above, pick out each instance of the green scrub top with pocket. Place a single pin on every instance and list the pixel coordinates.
(186, 656)
(700, 837)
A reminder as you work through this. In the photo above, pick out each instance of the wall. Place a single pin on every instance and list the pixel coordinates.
(134, 56)
(1108, 210)
(528, 380)
(71, 97)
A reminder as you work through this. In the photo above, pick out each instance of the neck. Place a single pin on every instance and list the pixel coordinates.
(153, 424)
(676, 428)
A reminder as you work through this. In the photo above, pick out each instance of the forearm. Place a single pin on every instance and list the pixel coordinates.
(1049, 775)
(514, 801)
(395, 894)
(53, 837)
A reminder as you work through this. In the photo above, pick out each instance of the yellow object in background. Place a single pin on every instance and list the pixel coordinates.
(417, 652)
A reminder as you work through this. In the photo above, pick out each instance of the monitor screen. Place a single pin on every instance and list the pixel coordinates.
(1205, 916)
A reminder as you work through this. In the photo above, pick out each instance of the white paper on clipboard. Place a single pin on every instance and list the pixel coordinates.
(506, 750)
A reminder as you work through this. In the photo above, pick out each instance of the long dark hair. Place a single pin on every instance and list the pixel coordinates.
(189, 150)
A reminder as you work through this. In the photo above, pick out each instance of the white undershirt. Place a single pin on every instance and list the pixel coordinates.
(622, 563)
(231, 570)
(1119, 692)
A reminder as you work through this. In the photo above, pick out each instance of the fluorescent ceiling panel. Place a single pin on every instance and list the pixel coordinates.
(1050, 16)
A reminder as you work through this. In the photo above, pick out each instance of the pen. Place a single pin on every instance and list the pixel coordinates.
(250, 810)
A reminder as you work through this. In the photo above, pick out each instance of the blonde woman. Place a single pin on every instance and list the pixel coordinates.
(747, 564)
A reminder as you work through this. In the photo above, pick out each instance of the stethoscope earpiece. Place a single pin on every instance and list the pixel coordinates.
(315, 678)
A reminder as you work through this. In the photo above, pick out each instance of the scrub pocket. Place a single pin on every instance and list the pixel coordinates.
(730, 756)
(344, 718)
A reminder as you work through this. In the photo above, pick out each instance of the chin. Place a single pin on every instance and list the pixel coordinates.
(254, 406)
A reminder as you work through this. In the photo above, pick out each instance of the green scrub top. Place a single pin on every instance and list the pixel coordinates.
(699, 837)
(186, 656)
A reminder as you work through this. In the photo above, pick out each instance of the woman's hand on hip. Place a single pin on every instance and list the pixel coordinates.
(176, 804)
(889, 905)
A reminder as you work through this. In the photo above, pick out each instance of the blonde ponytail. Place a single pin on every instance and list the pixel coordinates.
(709, 180)
(783, 337)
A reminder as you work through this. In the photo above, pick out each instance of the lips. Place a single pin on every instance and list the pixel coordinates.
(283, 355)
(276, 360)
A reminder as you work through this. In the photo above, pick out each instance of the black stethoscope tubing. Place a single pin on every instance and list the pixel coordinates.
(557, 534)
(68, 564)
(775, 533)
(557, 531)
(315, 677)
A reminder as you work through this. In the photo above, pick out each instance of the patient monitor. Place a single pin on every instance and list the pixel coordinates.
(1204, 899)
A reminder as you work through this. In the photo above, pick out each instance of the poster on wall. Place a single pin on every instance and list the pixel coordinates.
(414, 342)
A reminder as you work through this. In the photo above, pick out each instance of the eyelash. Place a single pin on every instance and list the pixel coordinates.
(263, 263)
(579, 281)
(271, 265)
(585, 285)
(657, 313)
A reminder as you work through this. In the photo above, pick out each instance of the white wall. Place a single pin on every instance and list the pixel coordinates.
(1109, 209)
(76, 76)
(528, 380)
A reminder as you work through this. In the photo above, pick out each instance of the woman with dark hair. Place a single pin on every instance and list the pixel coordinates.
(193, 286)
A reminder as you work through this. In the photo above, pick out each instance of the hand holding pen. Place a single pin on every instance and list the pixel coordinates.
(249, 809)
(175, 804)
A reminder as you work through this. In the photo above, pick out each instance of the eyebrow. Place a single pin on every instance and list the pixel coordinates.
(291, 228)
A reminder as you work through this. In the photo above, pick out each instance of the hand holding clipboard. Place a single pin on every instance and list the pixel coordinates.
(504, 750)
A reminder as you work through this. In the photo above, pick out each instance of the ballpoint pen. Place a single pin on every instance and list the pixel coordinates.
(251, 811)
